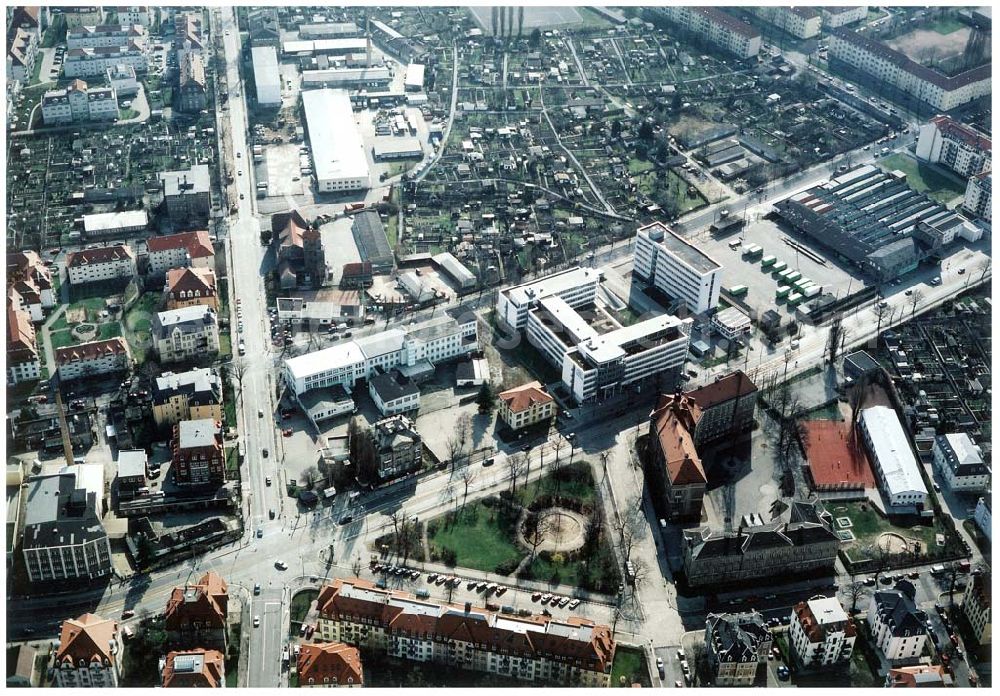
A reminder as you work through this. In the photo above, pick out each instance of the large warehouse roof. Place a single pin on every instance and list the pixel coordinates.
(265, 75)
(337, 149)
(892, 451)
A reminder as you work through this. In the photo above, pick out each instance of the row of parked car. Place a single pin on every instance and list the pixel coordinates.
(555, 600)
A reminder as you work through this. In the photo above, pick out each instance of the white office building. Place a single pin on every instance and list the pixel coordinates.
(677, 268)
(266, 77)
(959, 461)
(731, 323)
(122, 80)
(340, 162)
(576, 286)
(611, 362)
(897, 469)
(439, 340)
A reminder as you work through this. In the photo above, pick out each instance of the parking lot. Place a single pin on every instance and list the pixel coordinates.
(834, 279)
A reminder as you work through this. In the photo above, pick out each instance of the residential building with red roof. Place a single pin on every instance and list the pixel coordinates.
(727, 407)
(97, 264)
(94, 62)
(22, 347)
(94, 358)
(961, 148)
(191, 286)
(567, 652)
(329, 665)
(884, 65)
(182, 250)
(89, 653)
(197, 453)
(918, 676)
(835, 458)
(714, 25)
(675, 468)
(526, 405)
(196, 614)
(22, 52)
(194, 669)
(103, 35)
(821, 633)
(31, 280)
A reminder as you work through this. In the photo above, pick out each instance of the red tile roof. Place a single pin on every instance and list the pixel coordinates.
(191, 279)
(333, 663)
(212, 674)
(87, 638)
(106, 254)
(836, 460)
(954, 130)
(524, 397)
(92, 350)
(731, 386)
(22, 346)
(197, 244)
(206, 601)
(674, 421)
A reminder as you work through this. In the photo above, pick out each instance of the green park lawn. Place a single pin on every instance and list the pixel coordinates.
(924, 178)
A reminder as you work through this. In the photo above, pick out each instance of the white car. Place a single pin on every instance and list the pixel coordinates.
(256, 621)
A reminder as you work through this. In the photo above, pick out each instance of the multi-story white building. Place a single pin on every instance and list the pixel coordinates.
(134, 14)
(106, 35)
(895, 465)
(677, 268)
(22, 52)
(29, 284)
(83, 15)
(977, 605)
(122, 80)
(884, 64)
(959, 460)
(267, 79)
(88, 62)
(79, 103)
(188, 333)
(183, 250)
(961, 148)
(63, 535)
(731, 323)
(566, 652)
(719, 28)
(89, 654)
(618, 359)
(839, 16)
(100, 263)
(821, 633)
(576, 287)
(440, 340)
(393, 393)
(984, 516)
(94, 358)
(897, 626)
(800, 22)
(979, 196)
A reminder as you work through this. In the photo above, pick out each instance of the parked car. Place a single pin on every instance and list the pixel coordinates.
(256, 621)
(281, 565)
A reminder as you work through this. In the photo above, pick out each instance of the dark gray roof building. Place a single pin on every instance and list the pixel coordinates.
(372, 242)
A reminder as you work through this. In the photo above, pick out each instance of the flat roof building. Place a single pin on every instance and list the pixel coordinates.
(124, 222)
(355, 78)
(897, 469)
(266, 77)
(576, 286)
(339, 159)
(677, 268)
(414, 79)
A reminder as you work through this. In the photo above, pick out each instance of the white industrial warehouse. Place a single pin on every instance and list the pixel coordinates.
(339, 159)
(266, 77)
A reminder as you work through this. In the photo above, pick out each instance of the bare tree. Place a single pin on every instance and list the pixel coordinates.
(516, 463)
(454, 447)
(985, 268)
(397, 517)
(356, 566)
(309, 477)
(467, 476)
(536, 529)
(629, 526)
(914, 301)
(834, 338)
(857, 396)
(881, 310)
(952, 571)
(881, 560)
(238, 370)
(855, 590)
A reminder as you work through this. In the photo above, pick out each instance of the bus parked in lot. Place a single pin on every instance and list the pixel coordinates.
(779, 266)
(753, 251)
(768, 261)
(782, 292)
(737, 290)
(794, 299)
(793, 276)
